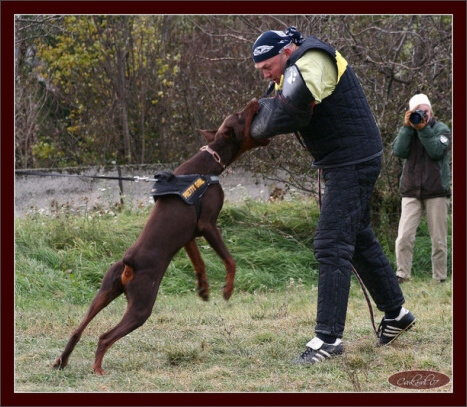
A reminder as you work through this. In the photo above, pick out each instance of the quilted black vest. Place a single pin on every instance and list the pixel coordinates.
(342, 130)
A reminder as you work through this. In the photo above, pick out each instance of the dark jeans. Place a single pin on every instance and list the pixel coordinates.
(344, 239)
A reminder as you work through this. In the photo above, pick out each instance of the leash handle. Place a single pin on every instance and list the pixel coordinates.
(365, 293)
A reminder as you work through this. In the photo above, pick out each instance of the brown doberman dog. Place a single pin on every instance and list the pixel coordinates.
(172, 225)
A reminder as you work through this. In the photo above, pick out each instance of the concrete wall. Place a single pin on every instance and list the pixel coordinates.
(49, 193)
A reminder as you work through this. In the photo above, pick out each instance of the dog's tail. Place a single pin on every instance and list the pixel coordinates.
(127, 274)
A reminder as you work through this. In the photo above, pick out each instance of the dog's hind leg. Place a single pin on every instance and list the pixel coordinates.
(141, 291)
(202, 284)
(110, 289)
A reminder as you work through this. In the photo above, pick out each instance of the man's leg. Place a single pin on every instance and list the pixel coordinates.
(369, 260)
(334, 244)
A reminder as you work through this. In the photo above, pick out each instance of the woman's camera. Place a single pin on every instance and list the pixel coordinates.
(417, 117)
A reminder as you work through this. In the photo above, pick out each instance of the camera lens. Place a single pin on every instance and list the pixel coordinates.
(416, 117)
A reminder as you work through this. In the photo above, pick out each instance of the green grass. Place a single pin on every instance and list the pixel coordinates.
(187, 345)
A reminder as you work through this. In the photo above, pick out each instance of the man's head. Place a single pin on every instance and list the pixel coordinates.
(272, 49)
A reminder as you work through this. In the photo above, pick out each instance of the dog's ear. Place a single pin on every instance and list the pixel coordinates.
(208, 134)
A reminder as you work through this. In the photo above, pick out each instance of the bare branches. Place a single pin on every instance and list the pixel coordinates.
(180, 73)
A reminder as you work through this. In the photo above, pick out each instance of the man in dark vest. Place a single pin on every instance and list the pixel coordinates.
(319, 97)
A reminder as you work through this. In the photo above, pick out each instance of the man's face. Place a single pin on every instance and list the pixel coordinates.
(274, 67)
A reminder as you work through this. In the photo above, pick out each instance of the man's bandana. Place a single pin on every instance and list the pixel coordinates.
(271, 43)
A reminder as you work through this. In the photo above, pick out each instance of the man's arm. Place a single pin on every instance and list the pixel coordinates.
(289, 111)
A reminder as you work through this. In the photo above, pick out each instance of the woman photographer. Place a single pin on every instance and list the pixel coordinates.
(425, 185)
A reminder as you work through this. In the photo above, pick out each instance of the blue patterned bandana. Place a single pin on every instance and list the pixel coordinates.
(271, 43)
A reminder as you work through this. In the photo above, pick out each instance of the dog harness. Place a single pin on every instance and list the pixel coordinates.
(190, 188)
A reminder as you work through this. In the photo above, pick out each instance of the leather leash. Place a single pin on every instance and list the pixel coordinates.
(57, 174)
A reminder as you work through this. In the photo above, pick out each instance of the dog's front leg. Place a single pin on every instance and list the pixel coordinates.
(200, 269)
(213, 235)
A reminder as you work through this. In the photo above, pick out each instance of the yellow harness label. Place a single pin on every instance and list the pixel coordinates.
(193, 187)
(190, 187)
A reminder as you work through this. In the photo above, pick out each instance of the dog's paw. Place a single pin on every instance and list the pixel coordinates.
(227, 291)
(204, 293)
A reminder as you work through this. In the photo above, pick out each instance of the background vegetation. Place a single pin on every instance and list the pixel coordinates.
(244, 345)
(92, 90)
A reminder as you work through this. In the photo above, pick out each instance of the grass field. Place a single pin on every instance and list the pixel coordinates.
(187, 345)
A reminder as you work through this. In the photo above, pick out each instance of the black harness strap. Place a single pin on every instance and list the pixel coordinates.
(190, 188)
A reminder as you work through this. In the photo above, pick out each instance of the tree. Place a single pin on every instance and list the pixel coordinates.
(109, 75)
(136, 88)
(31, 93)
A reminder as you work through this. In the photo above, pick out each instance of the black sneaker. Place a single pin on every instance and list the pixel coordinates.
(317, 351)
(390, 329)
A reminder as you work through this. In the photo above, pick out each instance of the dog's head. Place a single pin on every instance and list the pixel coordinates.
(236, 130)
